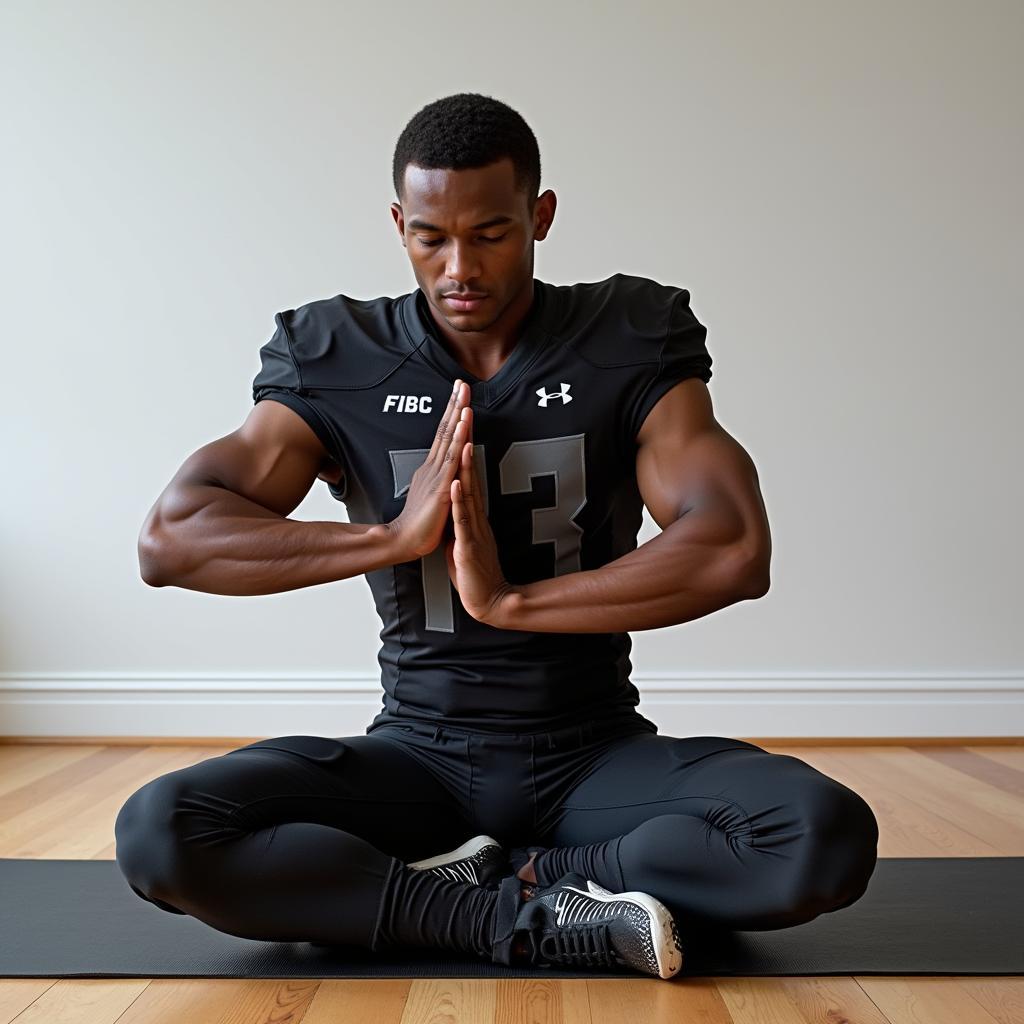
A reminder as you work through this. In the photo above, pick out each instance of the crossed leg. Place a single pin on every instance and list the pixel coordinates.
(295, 838)
(718, 829)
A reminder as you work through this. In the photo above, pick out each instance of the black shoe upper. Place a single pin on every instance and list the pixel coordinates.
(569, 923)
(486, 867)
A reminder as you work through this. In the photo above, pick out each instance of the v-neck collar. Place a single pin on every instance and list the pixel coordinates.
(423, 332)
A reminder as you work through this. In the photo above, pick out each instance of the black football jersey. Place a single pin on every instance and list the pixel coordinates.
(554, 450)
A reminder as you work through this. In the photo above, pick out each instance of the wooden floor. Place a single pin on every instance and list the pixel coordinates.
(60, 801)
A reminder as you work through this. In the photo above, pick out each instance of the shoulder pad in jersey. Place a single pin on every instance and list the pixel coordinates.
(336, 343)
(627, 320)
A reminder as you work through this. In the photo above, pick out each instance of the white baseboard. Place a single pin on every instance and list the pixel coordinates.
(763, 705)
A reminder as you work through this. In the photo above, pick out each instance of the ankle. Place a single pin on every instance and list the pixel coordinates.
(526, 872)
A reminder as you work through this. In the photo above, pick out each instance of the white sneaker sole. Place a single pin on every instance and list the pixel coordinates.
(667, 951)
(470, 848)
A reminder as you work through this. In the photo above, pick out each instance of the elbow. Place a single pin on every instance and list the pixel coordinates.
(154, 559)
(150, 566)
(164, 546)
(756, 586)
(753, 579)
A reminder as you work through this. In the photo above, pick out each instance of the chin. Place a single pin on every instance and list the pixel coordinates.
(471, 321)
(468, 322)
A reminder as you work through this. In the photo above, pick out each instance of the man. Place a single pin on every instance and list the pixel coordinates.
(494, 438)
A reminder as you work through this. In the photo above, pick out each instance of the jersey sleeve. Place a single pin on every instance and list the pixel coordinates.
(280, 379)
(683, 354)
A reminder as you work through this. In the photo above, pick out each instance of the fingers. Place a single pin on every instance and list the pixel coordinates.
(461, 432)
(468, 490)
(478, 496)
(458, 511)
(441, 434)
(442, 437)
(461, 516)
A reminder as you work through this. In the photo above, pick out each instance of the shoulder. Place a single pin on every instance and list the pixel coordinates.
(642, 331)
(624, 320)
(339, 341)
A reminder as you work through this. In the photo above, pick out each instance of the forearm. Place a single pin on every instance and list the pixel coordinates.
(676, 576)
(213, 540)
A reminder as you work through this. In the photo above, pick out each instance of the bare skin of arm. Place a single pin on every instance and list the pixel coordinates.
(701, 487)
(221, 525)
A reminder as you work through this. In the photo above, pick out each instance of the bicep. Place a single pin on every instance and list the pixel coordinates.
(687, 461)
(273, 459)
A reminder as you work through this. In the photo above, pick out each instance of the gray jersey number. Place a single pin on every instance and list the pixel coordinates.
(560, 457)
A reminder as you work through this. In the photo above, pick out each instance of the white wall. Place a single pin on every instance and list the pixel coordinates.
(838, 185)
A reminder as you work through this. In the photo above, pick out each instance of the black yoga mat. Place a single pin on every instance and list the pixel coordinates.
(920, 915)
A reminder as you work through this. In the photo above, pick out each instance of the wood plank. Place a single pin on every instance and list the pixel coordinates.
(185, 999)
(833, 999)
(88, 827)
(1003, 997)
(83, 1000)
(990, 814)
(281, 1000)
(656, 1001)
(41, 790)
(1012, 757)
(376, 1000)
(17, 993)
(905, 829)
(924, 1000)
(542, 1001)
(20, 766)
(1010, 780)
(451, 1001)
(760, 1001)
(35, 820)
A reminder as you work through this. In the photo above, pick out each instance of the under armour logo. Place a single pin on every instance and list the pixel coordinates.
(545, 396)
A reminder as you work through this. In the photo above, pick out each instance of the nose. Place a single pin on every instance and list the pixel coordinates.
(461, 266)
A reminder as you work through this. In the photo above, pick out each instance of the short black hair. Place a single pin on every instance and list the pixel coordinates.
(467, 130)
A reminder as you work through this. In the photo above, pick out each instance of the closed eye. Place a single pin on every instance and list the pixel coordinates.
(483, 238)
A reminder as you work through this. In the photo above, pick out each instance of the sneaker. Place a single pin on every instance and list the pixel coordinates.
(579, 923)
(479, 861)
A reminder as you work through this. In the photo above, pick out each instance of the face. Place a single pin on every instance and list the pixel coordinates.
(471, 232)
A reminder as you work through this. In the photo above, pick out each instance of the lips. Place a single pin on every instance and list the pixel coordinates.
(464, 303)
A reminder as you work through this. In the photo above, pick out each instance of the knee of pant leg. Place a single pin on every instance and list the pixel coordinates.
(840, 847)
(858, 840)
(146, 843)
(836, 811)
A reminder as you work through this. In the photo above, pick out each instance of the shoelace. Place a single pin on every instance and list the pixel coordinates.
(588, 943)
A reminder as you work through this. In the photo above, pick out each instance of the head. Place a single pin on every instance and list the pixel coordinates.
(466, 171)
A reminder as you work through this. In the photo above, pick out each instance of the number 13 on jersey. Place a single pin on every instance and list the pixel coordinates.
(560, 457)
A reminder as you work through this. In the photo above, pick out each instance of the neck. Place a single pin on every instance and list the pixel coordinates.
(483, 353)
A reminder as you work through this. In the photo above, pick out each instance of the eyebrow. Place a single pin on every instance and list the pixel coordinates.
(416, 222)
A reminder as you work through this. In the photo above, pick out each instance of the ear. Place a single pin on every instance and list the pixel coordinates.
(399, 218)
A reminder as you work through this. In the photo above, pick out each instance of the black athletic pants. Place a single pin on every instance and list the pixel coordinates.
(304, 838)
